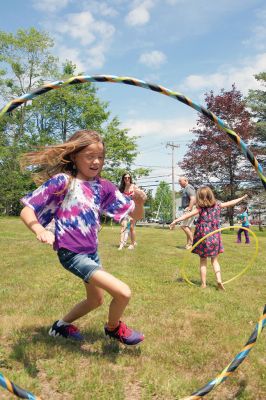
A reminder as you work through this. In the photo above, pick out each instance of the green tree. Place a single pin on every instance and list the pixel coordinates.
(256, 100)
(57, 114)
(149, 205)
(13, 186)
(212, 158)
(25, 63)
(121, 151)
(163, 201)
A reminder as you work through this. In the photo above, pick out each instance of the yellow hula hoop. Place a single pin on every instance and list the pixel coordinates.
(251, 262)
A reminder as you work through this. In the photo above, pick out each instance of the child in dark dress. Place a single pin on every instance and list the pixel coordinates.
(209, 211)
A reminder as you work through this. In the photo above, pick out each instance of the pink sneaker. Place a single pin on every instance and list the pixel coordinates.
(67, 331)
(124, 334)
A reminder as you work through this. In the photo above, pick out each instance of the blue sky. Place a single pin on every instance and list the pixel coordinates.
(190, 46)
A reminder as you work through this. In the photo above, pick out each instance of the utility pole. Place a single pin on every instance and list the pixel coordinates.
(173, 146)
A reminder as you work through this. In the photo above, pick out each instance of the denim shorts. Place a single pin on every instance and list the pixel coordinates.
(81, 265)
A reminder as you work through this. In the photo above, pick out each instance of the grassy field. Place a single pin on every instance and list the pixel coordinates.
(191, 334)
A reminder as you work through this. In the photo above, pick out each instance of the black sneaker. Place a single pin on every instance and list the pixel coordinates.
(67, 331)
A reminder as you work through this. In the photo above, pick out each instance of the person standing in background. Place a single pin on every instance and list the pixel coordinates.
(245, 223)
(188, 202)
(127, 187)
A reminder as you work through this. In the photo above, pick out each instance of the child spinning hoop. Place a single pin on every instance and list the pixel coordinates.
(74, 196)
(209, 211)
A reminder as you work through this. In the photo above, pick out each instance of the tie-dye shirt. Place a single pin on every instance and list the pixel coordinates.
(76, 207)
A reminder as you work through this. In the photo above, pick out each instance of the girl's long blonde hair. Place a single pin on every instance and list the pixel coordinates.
(51, 160)
(205, 197)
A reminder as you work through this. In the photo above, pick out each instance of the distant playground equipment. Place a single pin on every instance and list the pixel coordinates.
(12, 105)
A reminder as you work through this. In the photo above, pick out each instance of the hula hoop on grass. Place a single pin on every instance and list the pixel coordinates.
(15, 389)
(234, 364)
(207, 113)
(251, 262)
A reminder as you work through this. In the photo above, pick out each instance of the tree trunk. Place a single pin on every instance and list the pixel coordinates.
(230, 214)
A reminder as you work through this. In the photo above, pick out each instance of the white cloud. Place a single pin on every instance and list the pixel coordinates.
(83, 27)
(160, 128)
(50, 6)
(73, 54)
(82, 39)
(105, 29)
(96, 56)
(101, 8)
(140, 14)
(242, 76)
(153, 59)
(85, 60)
(174, 2)
(258, 39)
(77, 26)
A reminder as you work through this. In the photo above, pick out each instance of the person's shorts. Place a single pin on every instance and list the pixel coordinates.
(188, 222)
(81, 265)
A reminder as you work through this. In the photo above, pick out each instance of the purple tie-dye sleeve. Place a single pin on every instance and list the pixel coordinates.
(45, 199)
(114, 203)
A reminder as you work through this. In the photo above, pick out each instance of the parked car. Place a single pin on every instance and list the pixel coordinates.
(153, 220)
(165, 222)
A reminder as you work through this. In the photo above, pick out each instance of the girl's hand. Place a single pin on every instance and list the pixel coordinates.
(46, 237)
(172, 226)
(139, 196)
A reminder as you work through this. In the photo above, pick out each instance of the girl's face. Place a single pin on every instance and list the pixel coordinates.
(89, 161)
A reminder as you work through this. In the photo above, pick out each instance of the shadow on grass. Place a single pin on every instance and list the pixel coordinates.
(242, 388)
(196, 282)
(34, 344)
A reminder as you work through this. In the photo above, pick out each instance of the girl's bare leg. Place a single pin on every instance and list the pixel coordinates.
(123, 235)
(118, 290)
(217, 270)
(94, 299)
(203, 271)
(132, 232)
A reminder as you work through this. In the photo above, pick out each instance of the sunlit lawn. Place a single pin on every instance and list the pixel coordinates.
(190, 334)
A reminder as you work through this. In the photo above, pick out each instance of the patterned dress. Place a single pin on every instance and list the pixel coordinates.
(208, 221)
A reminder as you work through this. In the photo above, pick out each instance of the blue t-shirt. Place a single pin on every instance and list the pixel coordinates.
(244, 219)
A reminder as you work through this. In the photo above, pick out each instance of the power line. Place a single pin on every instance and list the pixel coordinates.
(151, 177)
(151, 166)
(155, 185)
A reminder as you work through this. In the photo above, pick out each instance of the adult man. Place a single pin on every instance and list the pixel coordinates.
(188, 202)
